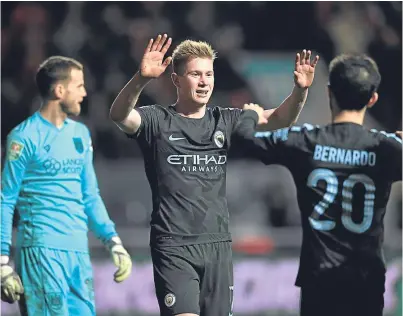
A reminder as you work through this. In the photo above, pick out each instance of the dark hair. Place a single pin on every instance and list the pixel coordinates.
(353, 79)
(52, 70)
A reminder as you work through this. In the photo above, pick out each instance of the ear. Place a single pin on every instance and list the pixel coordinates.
(59, 91)
(373, 100)
(175, 79)
(329, 92)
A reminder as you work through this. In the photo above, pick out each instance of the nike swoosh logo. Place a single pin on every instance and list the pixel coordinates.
(171, 138)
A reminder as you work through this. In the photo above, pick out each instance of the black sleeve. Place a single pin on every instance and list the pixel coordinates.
(268, 147)
(393, 156)
(149, 127)
(232, 118)
(235, 116)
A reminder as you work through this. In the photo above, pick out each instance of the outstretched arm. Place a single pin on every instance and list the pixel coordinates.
(152, 66)
(287, 113)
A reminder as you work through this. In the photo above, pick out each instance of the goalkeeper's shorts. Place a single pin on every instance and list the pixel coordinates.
(56, 282)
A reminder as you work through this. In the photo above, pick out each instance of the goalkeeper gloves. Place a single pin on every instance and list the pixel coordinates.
(121, 259)
(11, 285)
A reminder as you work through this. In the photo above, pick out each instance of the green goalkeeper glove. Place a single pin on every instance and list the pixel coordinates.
(121, 259)
(11, 285)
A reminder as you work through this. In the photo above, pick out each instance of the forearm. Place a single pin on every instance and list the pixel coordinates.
(7, 212)
(98, 219)
(287, 113)
(127, 98)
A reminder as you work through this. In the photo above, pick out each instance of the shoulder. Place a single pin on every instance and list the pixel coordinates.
(294, 130)
(289, 137)
(153, 108)
(80, 128)
(225, 110)
(26, 130)
(386, 137)
(24, 137)
(305, 128)
(229, 115)
(387, 141)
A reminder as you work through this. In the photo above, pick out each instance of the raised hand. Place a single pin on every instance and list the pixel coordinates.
(304, 71)
(153, 63)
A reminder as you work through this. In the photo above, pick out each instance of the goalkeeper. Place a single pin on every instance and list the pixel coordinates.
(49, 178)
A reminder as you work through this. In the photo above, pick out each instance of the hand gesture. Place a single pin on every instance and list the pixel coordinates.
(304, 69)
(153, 63)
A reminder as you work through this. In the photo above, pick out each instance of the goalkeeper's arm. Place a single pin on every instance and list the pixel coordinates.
(19, 153)
(100, 223)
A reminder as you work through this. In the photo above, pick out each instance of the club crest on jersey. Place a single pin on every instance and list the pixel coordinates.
(169, 300)
(219, 139)
(15, 150)
(78, 143)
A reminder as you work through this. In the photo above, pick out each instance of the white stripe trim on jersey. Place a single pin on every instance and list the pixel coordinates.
(389, 135)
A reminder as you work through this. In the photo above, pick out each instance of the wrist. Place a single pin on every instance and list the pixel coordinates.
(5, 248)
(4, 260)
(298, 89)
(114, 241)
(141, 79)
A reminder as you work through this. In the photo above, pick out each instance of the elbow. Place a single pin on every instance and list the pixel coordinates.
(115, 117)
(292, 122)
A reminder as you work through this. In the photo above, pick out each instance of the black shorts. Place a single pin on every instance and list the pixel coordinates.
(349, 293)
(194, 279)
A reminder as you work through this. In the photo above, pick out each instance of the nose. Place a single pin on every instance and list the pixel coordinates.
(202, 81)
(85, 93)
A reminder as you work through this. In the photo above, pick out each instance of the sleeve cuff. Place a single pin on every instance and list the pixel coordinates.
(141, 127)
(250, 114)
(5, 249)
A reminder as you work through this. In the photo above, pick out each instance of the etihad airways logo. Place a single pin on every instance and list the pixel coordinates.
(198, 163)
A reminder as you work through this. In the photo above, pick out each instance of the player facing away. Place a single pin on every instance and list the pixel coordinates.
(185, 152)
(49, 178)
(343, 174)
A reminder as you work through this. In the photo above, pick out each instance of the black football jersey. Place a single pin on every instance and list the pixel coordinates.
(343, 174)
(185, 162)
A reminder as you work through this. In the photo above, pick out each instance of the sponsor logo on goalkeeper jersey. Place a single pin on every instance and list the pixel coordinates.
(198, 163)
(66, 166)
(15, 150)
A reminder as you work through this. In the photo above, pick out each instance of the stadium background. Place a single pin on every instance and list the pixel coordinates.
(256, 44)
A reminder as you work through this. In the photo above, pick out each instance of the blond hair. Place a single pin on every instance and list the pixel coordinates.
(189, 49)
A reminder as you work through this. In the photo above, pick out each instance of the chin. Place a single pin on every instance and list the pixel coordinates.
(74, 112)
(200, 102)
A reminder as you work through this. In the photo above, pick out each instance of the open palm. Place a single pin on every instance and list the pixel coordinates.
(153, 63)
(304, 71)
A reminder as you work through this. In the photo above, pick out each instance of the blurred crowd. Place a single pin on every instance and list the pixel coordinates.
(109, 39)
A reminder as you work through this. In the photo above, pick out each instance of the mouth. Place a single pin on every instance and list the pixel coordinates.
(202, 93)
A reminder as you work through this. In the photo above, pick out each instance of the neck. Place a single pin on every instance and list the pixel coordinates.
(52, 112)
(356, 117)
(190, 110)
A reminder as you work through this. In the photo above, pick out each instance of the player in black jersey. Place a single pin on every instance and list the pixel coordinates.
(185, 153)
(343, 174)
